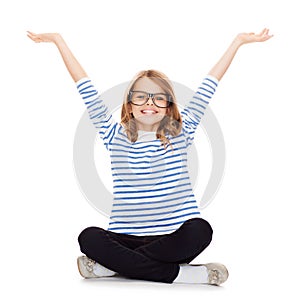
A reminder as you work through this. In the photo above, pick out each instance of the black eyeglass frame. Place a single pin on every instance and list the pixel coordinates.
(149, 95)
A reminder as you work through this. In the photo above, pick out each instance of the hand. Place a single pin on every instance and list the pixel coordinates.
(73, 66)
(245, 38)
(43, 37)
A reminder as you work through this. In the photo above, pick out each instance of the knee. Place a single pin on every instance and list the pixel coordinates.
(202, 230)
(87, 237)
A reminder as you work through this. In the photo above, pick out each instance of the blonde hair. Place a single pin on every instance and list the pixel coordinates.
(172, 121)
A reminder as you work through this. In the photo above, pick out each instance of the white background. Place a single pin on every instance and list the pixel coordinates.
(255, 213)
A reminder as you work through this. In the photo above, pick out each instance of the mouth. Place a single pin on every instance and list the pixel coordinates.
(148, 111)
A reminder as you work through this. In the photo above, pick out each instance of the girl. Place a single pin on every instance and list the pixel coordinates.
(155, 228)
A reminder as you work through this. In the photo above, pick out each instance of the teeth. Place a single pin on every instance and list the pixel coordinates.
(146, 111)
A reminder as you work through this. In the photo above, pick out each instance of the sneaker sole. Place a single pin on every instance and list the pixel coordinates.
(78, 266)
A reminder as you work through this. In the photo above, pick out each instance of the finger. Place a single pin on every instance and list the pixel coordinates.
(266, 32)
(262, 33)
(35, 38)
(31, 35)
(266, 37)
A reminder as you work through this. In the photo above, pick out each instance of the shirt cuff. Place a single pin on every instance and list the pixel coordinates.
(213, 78)
(82, 80)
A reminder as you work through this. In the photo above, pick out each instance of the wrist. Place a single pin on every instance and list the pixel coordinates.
(237, 42)
(57, 38)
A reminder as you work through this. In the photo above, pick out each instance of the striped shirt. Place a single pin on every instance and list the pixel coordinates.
(152, 192)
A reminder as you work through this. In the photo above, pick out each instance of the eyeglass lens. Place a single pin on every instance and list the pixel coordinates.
(140, 98)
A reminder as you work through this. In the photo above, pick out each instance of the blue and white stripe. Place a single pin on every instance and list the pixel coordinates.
(152, 189)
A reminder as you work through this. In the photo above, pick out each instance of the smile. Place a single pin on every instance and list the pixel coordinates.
(148, 111)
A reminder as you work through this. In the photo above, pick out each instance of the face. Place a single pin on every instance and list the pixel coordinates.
(148, 116)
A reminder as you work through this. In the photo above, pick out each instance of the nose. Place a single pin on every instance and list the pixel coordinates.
(150, 97)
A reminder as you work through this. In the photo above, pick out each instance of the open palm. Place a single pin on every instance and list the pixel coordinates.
(42, 37)
(251, 37)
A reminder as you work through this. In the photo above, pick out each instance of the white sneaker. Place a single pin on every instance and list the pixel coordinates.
(217, 273)
(88, 268)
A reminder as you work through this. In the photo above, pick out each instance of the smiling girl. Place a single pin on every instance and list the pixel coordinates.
(155, 228)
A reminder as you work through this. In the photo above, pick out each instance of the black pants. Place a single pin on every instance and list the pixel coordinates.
(154, 258)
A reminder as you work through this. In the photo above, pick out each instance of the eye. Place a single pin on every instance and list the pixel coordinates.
(139, 95)
(160, 98)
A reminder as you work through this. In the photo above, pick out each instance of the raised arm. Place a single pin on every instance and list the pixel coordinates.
(98, 112)
(73, 66)
(243, 38)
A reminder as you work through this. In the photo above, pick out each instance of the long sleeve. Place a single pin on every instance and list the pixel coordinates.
(97, 110)
(195, 109)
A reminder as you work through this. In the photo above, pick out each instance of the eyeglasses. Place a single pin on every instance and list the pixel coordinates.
(159, 99)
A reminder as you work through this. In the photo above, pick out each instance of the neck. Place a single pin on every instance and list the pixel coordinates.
(146, 127)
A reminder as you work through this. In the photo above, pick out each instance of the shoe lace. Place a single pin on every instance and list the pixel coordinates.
(214, 277)
(89, 264)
